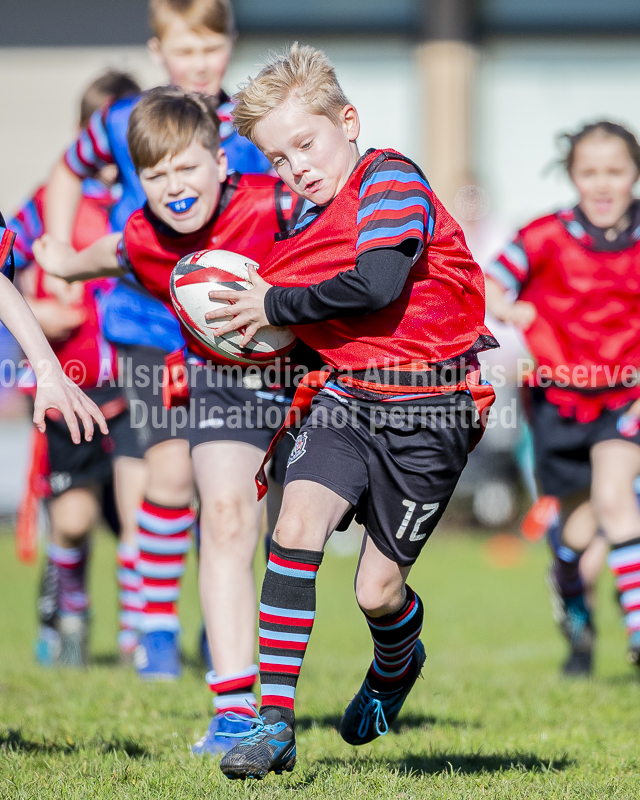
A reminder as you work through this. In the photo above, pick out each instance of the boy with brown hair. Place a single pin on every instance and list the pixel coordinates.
(193, 205)
(193, 41)
(377, 277)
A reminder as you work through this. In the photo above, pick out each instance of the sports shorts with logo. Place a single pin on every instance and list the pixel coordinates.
(88, 463)
(562, 445)
(235, 404)
(397, 463)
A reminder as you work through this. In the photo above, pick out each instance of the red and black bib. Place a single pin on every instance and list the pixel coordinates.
(86, 357)
(251, 212)
(439, 315)
(588, 303)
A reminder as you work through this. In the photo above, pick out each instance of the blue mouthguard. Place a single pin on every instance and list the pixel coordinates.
(180, 206)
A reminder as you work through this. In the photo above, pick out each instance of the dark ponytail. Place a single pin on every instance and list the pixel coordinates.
(569, 141)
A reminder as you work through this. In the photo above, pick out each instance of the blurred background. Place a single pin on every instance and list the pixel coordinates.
(476, 91)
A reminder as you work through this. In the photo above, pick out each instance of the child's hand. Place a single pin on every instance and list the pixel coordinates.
(52, 255)
(56, 390)
(247, 308)
(522, 314)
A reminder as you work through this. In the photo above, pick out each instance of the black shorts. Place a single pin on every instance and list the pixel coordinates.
(228, 405)
(88, 463)
(563, 446)
(396, 463)
(150, 423)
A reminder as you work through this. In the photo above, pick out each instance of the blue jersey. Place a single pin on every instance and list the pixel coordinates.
(131, 315)
(7, 238)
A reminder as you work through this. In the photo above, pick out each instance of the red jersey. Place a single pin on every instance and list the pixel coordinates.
(587, 330)
(251, 211)
(439, 314)
(86, 357)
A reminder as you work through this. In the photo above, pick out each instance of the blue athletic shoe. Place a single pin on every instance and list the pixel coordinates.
(269, 746)
(370, 714)
(65, 643)
(576, 625)
(633, 653)
(156, 658)
(220, 734)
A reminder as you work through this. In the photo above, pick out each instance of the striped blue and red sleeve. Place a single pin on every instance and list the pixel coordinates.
(28, 226)
(7, 237)
(511, 267)
(91, 151)
(396, 204)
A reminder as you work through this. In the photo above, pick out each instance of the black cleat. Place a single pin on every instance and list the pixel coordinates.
(371, 713)
(270, 746)
(574, 620)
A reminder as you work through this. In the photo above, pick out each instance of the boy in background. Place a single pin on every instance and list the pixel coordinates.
(193, 40)
(193, 205)
(80, 477)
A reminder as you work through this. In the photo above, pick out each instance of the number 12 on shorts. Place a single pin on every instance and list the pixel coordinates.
(410, 505)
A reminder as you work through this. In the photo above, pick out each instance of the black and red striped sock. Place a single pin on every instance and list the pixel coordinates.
(287, 611)
(394, 640)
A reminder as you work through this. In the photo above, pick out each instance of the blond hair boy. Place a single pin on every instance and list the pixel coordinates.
(377, 278)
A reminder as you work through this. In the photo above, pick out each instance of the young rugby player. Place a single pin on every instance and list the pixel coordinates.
(376, 276)
(193, 41)
(575, 276)
(175, 144)
(55, 390)
(80, 479)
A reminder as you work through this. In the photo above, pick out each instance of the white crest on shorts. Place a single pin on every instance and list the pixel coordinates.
(211, 422)
(299, 448)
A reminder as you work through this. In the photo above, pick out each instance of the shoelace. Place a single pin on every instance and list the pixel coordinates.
(370, 705)
(258, 725)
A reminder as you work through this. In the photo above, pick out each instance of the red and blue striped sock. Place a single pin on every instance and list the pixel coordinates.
(624, 562)
(130, 596)
(287, 611)
(235, 691)
(394, 639)
(163, 543)
(71, 564)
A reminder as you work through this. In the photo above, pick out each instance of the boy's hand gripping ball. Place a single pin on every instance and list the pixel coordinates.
(192, 279)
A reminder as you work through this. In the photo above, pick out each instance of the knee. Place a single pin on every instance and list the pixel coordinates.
(226, 525)
(609, 499)
(377, 598)
(293, 531)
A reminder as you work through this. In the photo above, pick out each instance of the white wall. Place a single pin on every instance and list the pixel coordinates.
(531, 90)
(40, 90)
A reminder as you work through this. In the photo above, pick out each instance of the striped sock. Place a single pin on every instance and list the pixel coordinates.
(71, 564)
(287, 610)
(234, 691)
(394, 640)
(566, 565)
(624, 562)
(130, 595)
(163, 542)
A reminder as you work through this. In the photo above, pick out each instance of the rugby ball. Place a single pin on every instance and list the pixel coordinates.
(193, 277)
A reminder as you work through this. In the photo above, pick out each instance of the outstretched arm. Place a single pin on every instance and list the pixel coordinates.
(100, 260)
(521, 313)
(64, 191)
(55, 389)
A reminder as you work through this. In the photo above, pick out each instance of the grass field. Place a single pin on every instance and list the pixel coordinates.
(491, 718)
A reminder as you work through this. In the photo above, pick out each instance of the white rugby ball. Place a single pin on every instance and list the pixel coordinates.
(193, 277)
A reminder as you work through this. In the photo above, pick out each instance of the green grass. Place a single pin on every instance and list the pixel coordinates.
(491, 719)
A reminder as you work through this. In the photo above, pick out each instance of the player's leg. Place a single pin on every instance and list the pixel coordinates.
(164, 520)
(571, 539)
(130, 481)
(310, 513)
(563, 468)
(616, 464)
(64, 600)
(229, 530)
